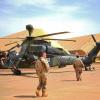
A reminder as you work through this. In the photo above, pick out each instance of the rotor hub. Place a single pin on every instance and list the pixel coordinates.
(30, 29)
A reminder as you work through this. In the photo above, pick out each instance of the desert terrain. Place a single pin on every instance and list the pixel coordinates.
(62, 85)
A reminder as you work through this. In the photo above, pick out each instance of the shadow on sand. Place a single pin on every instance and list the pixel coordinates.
(22, 75)
(68, 80)
(30, 73)
(6, 74)
(60, 71)
(25, 96)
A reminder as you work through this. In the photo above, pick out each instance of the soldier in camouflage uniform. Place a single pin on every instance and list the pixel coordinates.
(78, 65)
(42, 68)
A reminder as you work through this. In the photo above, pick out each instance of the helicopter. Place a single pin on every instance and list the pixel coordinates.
(32, 46)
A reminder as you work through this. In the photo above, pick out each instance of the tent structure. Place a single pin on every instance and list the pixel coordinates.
(83, 43)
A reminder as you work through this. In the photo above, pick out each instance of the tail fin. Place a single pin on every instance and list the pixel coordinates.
(96, 49)
(93, 53)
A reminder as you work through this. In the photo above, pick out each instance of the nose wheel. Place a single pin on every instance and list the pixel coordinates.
(16, 71)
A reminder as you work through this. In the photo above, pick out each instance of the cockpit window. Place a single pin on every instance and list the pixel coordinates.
(37, 48)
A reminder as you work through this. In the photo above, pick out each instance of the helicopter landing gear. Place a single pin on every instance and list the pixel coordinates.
(89, 68)
(16, 71)
(61, 66)
(86, 69)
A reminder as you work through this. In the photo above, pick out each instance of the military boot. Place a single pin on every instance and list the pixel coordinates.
(44, 93)
(38, 93)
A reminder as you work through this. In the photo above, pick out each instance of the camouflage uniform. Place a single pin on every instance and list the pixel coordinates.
(78, 65)
(42, 68)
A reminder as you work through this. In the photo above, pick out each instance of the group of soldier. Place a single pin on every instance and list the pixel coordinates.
(42, 69)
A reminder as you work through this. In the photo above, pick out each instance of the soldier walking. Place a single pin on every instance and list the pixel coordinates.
(42, 68)
(78, 65)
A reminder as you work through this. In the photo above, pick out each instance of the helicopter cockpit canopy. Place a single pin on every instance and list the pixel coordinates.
(37, 48)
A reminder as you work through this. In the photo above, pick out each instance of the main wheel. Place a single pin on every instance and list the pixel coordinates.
(86, 68)
(16, 72)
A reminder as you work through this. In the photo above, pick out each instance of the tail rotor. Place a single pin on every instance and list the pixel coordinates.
(94, 38)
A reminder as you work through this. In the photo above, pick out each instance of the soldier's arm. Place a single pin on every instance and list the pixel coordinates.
(82, 63)
(46, 64)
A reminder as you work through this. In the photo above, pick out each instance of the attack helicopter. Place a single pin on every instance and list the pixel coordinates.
(32, 46)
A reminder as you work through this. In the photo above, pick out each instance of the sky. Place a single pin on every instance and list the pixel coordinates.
(80, 17)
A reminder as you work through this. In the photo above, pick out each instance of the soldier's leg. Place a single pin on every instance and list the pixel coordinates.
(77, 75)
(39, 87)
(78, 71)
(44, 89)
(40, 83)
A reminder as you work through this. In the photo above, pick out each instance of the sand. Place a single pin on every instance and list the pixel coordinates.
(62, 85)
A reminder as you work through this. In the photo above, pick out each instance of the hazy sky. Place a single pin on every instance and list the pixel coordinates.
(77, 16)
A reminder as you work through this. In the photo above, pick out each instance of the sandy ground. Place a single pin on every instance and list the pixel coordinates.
(62, 85)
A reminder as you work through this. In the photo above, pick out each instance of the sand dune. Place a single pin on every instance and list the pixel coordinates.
(84, 43)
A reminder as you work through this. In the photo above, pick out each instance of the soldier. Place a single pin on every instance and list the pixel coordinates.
(2, 57)
(78, 65)
(42, 68)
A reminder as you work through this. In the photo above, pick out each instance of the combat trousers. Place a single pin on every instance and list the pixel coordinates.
(78, 70)
(42, 82)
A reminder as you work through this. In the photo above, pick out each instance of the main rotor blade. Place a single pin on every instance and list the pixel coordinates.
(13, 38)
(14, 47)
(93, 38)
(53, 34)
(11, 43)
(59, 39)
